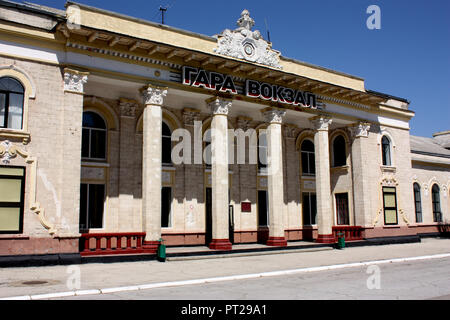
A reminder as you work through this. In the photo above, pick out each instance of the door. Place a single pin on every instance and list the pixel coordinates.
(231, 223)
(208, 220)
(263, 216)
(342, 209)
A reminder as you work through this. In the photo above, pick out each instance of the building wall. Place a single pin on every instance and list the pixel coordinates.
(54, 120)
(426, 175)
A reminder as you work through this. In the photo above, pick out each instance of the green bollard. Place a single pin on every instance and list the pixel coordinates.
(161, 251)
(341, 241)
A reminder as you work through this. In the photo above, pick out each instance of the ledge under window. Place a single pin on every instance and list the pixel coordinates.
(388, 169)
(18, 134)
(340, 169)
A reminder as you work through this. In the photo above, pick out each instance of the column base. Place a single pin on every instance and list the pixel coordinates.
(220, 244)
(150, 246)
(326, 238)
(277, 242)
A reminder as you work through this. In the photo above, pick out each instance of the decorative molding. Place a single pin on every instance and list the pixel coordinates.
(190, 115)
(8, 151)
(244, 123)
(123, 55)
(243, 43)
(360, 130)
(290, 130)
(128, 108)
(74, 80)
(273, 115)
(219, 106)
(154, 95)
(321, 123)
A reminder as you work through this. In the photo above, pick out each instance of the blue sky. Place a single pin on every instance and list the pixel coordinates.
(408, 57)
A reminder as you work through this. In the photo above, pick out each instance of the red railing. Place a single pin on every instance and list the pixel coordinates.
(111, 243)
(351, 233)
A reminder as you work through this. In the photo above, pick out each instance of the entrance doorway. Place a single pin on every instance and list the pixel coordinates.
(208, 220)
(263, 216)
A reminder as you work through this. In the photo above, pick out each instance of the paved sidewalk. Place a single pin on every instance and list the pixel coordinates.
(53, 279)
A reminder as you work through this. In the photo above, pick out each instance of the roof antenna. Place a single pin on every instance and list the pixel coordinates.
(267, 28)
(162, 13)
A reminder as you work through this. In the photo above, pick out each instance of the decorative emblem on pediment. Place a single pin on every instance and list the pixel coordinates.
(243, 43)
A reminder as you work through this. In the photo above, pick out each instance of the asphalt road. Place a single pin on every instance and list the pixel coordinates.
(423, 279)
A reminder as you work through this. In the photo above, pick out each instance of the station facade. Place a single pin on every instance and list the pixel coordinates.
(116, 132)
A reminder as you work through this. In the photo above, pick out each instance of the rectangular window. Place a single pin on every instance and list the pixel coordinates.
(390, 205)
(12, 190)
(166, 205)
(309, 208)
(92, 199)
(342, 209)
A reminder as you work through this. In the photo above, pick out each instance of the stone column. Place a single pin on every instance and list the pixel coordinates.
(275, 183)
(219, 172)
(67, 222)
(126, 164)
(323, 184)
(152, 165)
(360, 173)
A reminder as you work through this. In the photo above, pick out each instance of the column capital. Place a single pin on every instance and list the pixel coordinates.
(74, 80)
(154, 95)
(219, 106)
(321, 122)
(273, 115)
(127, 107)
(360, 129)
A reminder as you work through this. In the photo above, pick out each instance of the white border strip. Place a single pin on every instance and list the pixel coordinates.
(220, 279)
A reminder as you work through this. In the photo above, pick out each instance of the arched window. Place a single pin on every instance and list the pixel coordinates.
(262, 150)
(417, 202)
(436, 199)
(339, 152)
(166, 144)
(93, 137)
(11, 103)
(386, 151)
(308, 158)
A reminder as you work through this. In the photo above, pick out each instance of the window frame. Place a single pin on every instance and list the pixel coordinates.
(438, 202)
(169, 205)
(390, 208)
(347, 217)
(312, 219)
(88, 228)
(262, 167)
(4, 125)
(90, 129)
(339, 151)
(22, 199)
(417, 200)
(385, 151)
(164, 137)
(310, 173)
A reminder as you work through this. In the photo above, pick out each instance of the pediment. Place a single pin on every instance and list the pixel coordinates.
(243, 43)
